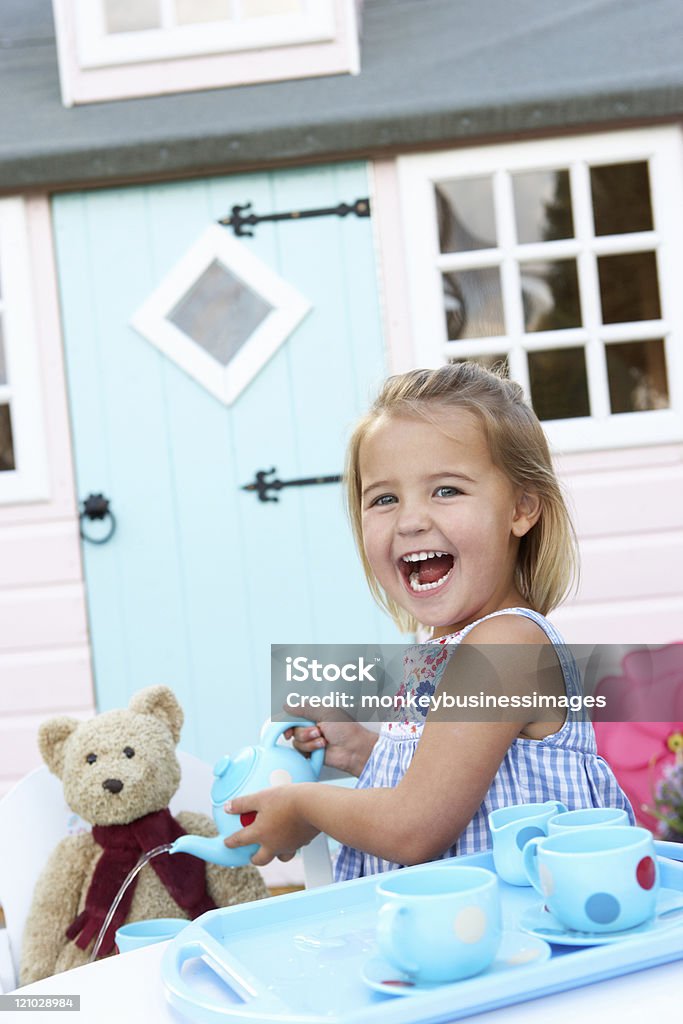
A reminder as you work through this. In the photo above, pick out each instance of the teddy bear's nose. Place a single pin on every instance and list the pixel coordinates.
(113, 785)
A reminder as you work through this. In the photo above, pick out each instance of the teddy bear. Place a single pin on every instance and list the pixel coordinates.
(119, 771)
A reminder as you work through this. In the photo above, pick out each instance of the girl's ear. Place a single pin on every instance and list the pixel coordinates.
(527, 513)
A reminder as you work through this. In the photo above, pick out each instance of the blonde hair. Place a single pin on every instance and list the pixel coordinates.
(547, 560)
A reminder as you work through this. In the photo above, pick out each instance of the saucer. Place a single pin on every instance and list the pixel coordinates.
(539, 921)
(515, 950)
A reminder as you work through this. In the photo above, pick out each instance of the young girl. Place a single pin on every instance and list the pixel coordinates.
(461, 526)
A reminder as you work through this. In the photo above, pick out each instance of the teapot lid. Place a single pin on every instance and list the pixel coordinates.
(231, 774)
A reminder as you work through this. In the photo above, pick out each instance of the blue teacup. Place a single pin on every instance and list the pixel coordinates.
(145, 933)
(587, 817)
(512, 828)
(596, 879)
(439, 924)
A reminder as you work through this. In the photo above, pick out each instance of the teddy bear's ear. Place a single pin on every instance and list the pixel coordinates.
(162, 703)
(52, 737)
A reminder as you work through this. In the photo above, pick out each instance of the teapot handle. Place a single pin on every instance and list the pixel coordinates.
(272, 731)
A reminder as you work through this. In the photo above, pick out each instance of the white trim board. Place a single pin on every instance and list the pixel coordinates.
(29, 481)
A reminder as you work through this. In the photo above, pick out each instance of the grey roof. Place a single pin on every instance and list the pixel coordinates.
(433, 71)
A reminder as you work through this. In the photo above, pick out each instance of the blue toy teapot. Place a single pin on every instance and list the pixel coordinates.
(269, 764)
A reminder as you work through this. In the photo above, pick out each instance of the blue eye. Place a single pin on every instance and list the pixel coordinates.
(447, 492)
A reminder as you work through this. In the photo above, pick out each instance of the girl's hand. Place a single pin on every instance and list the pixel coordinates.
(278, 827)
(347, 744)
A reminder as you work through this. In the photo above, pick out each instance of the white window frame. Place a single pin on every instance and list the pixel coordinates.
(96, 66)
(29, 481)
(663, 148)
(97, 48)
(224, 382)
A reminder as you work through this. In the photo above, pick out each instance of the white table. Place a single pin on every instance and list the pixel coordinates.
(127, 989)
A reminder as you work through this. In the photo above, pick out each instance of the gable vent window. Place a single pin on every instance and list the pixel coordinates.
(557, 259)
(141, 15)
(112, 49)
(133, 30)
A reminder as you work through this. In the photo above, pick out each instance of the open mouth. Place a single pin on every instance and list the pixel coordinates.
(426, 570)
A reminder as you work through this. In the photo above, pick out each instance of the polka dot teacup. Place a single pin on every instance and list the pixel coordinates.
(438, 923)
(596, 879)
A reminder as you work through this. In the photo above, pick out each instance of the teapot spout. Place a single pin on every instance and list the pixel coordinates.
(211, 849)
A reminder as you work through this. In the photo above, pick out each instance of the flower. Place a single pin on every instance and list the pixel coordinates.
(640, 733)
(668, 798)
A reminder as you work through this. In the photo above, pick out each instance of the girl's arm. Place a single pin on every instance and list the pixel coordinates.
(416, 821)
(426, 812)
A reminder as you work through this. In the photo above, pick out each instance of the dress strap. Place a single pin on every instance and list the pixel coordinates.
(572, 679)
(527, 613)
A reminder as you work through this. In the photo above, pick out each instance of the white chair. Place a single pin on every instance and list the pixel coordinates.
(34, 817)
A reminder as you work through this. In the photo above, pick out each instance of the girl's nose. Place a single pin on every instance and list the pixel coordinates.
(412, 519)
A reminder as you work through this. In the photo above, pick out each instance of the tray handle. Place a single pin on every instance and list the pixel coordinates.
(196, 943)
(664, 848)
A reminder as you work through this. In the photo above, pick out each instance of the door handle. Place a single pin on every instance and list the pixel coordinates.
(96, 507)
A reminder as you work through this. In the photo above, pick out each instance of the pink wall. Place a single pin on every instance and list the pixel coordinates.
(629, 517)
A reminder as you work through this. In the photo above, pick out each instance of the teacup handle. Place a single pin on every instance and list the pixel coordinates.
(389, 931)
(530, 860)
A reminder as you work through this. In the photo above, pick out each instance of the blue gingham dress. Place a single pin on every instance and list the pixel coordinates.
(563, 766)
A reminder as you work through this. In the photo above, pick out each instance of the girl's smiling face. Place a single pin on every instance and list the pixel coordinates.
(441, 522)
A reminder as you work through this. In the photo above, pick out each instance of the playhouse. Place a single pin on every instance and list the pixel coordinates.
(357, 189)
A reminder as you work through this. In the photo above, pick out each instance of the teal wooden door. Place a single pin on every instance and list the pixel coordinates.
(200, 577)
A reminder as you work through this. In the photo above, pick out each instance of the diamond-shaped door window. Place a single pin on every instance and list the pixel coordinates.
(220, 313)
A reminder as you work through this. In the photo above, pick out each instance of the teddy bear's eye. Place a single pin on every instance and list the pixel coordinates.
(91, 758)
(129, 752)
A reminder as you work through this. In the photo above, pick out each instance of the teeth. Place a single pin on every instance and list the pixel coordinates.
(414, 585)
(421, 556)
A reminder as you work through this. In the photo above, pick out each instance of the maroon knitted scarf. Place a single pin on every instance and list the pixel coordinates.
(183, 875)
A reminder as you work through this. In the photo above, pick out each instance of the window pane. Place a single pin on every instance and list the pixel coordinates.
(219, 312)
(465, 214)
(257, 8)
(621, 198)
(543, 208)
(559, 383)
(191, 11)
(131, 15)
(473, 303)
(6, 444)
(3, 364)
(629, 288)
(637, 376)
(550, 295)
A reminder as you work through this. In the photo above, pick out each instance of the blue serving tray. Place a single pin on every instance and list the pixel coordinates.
(297, 959)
